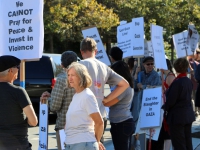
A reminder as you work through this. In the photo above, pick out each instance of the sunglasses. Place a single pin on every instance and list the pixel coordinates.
(198, 52)
(150, 64)
(16, 67)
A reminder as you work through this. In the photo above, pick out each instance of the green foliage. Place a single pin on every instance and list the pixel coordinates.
(64, 19)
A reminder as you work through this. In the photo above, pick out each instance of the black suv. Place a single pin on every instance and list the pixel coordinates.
(40, 76)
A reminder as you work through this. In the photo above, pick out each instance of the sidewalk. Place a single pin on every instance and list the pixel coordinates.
(195, 141)
(196, 128)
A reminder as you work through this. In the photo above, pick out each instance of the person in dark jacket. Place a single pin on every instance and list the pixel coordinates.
(178, 107)
(197, 77)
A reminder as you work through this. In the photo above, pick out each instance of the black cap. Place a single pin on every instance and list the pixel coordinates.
(116, 53)
(68, 57)
(147, 59)
(8, 61)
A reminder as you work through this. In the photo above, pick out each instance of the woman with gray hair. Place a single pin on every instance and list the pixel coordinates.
(60, 96)
(84, 124)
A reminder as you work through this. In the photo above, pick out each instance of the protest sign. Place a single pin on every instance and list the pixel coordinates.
(192, 38)
(125, 39)
(150, 49)
(62, 138)
(43, 127)
(123, 22)
(180, 44)
(146, 52)
(155, 130)
(21, 28)
(138, 38)
(158, 46)
(151, 105)
(101, 53)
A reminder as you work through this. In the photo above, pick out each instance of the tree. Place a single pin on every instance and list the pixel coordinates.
(65, 19)
(173, 15)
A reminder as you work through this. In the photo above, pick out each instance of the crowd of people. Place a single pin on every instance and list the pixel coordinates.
(78, 98)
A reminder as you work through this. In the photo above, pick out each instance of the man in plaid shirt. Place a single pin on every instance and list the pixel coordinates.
(61, 96)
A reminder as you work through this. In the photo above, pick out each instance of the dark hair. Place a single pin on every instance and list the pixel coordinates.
(88, 44)
(181, 65)
(122, 69)
(169, 65)
(147, 59)
(116, 53)
(67, 58)
(131, 63)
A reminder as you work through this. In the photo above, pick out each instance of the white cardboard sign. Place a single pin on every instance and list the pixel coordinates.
(123, 22)
(192, 38)
(125, 39)
(180, 44)
(155, 130)
(101, 53)
(158, 47)
(146, 52)
(43, 127)
(138, 38)
(62, 138)
(150, 108)
(150, 49)
(21, 28)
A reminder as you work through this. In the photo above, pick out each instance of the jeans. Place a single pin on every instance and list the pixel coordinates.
(121, 134)
(83, 146)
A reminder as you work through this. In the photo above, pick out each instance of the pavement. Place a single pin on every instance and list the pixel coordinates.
(34, 137)
(196, 128)
(195, 141)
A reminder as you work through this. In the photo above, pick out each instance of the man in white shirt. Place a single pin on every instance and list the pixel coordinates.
(101, 75)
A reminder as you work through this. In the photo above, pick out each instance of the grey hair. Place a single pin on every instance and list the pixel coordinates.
(82, 72)
(4, 73)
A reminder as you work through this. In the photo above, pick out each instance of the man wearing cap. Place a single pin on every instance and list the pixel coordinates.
(61, 96)
(116, 54)
(100, 74)
(149, 78)
(16, 110)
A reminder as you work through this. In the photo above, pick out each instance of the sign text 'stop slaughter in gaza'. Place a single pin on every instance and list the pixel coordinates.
(20, 12)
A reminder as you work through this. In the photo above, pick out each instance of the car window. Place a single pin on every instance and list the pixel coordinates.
(57, 61)
(39, 69)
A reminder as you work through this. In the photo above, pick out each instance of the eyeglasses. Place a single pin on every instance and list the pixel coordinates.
(198, 52)
(16, 67)
(150, 64)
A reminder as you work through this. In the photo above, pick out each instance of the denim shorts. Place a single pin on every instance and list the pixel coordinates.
(83, 146)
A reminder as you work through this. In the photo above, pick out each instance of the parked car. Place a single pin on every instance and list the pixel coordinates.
(40, 76)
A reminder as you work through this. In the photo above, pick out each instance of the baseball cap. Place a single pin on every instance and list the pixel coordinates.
(8, 61)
